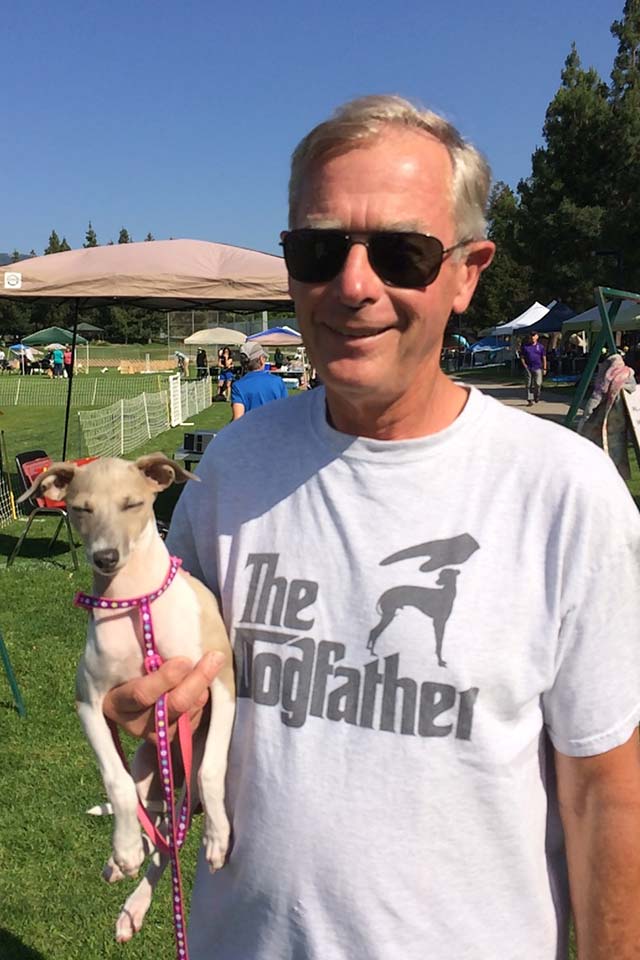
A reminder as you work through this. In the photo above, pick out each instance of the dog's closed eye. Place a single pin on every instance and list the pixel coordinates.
(132, 506)
(79, 509)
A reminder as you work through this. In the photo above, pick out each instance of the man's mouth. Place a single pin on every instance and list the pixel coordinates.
(361, 334)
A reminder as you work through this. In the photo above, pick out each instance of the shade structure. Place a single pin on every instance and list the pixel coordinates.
(52, 335)
(553, 320)
(278, 337)
(161, 274)
(628, 318)
(215, 336)
(530, 316)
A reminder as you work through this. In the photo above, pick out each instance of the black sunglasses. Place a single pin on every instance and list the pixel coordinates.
(400, 259)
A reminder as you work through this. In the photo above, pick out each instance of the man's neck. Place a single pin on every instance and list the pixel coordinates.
(426, 408)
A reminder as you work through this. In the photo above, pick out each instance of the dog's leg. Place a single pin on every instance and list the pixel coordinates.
(128, 851)
(136, 906)
(213, 769)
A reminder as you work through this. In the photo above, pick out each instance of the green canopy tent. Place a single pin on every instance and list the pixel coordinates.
(52, 335)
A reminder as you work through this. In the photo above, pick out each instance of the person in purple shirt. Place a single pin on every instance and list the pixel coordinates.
(533, 357)
(257, 386)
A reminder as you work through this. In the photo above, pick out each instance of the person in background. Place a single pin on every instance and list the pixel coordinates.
(421, 765)
(67, 359)
(278, 358)
(533, 358)
(226, 375)
(57, 355)
(256, 387)
(3, 360)
(183, 363)
(201, 363)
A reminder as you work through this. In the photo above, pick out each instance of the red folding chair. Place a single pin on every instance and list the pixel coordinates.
(29, 465)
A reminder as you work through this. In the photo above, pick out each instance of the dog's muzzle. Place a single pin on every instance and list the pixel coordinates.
(106, 560)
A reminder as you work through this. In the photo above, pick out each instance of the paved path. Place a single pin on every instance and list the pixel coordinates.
(554, 405)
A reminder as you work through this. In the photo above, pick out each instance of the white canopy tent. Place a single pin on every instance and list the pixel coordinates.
(628, 318)
(215, 336)
(530, 316)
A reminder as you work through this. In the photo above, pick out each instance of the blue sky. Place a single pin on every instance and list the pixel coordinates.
(179, 119)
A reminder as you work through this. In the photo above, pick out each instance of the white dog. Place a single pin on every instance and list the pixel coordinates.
(110, 504)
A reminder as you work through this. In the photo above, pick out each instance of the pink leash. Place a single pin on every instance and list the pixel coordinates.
(176, 832)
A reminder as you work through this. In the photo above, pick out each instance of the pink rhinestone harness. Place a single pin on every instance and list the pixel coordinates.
(176, 832)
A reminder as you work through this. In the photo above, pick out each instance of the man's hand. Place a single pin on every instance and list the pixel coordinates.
(131, 704)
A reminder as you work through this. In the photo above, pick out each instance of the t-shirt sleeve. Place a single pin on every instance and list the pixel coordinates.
(236, 393)
(594, 704)
(283, 389)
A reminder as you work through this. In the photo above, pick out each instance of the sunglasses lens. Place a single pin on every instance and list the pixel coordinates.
(315, 256)
(406, 259)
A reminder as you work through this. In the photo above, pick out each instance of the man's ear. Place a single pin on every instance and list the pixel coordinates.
(52, 483)
(161, 472)
(478, 258)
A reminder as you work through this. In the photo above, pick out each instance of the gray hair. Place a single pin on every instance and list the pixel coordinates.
(364, 119)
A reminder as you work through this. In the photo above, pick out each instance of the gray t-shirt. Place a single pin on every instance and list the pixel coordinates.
(410, 621)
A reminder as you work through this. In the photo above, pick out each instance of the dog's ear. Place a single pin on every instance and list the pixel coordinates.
(161, 472)
(52, 483)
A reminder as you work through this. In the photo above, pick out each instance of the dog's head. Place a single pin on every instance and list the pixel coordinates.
(110, 502)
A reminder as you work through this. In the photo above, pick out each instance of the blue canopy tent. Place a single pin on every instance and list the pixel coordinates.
(552, 321)
(278, 337)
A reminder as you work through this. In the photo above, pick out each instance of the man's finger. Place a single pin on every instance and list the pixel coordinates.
(142, 693)
(192, 691)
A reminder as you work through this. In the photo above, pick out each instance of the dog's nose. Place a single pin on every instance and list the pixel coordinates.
(106, 560)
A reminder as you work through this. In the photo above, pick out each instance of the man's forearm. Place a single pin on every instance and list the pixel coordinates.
(603, 852)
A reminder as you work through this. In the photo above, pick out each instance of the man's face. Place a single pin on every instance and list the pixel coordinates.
(369, 341)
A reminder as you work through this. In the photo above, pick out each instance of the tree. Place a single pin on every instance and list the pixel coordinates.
(54, 243)
(64, 245)
(506, 286)
(124, 236)
(90, 238)
(15, 256)
(623, 221)
(32, 253)
(149, 237)
(563, 204)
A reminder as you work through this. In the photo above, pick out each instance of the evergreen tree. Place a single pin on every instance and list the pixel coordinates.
(623, 219)
(64, 245)
(149, 237)
(124, 236)
(54, 243)
(90, 238)
(563, 204)
(15, 256)
(505, 288)
(32, 253)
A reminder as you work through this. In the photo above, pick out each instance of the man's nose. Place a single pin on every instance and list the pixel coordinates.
(357, 281)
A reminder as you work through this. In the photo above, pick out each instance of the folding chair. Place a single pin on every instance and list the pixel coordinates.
(29, 465)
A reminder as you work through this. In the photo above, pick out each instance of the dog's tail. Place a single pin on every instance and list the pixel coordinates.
(106, 810)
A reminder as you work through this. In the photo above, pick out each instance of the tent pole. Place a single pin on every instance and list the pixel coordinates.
(73, 358)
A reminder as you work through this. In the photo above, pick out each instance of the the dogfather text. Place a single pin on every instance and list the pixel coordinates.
(308, 677)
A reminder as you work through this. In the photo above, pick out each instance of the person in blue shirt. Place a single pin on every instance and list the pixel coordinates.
(257, 386)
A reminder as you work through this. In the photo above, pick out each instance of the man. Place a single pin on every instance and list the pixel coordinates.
(257, 386)
(533, 357)
(434, 607)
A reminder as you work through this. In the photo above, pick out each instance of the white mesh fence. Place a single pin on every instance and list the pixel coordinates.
(195, 396)
(188, 397)
(124, 426)
(7, 509)
(96, 391)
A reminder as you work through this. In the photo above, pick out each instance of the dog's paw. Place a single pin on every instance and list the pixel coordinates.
(132, 914)
(129, 856)
(111, 872)
(215, 841)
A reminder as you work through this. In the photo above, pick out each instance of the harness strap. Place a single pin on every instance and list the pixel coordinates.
(176, 831)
